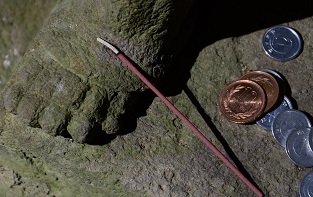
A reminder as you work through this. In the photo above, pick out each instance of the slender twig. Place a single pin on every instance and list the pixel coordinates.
(181, 116)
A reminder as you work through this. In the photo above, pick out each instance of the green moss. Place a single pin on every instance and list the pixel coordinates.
(76, 172)
(19, 23)
(66, 47)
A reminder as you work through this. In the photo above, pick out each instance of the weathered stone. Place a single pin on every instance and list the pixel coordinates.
(162, 157)
(19, 23)
(66, 71)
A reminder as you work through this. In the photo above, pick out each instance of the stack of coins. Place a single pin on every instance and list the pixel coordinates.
(256, 98)
(245, 100)
(259, 97)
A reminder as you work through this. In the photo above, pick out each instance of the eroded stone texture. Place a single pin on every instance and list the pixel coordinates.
(19, 23)
(12, 184)
(68, 84)
(161, 157)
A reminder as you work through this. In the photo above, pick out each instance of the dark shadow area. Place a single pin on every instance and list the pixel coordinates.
(222, 19)
(136, 107)
(97, 137)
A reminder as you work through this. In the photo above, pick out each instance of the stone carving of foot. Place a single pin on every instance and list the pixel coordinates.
(67, 84)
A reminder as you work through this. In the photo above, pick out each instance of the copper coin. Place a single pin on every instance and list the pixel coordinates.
(242, 101)
(268, 83)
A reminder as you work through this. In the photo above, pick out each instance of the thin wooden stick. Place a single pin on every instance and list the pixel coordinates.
(181, 116)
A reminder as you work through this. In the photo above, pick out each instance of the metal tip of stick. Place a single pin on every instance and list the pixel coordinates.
(110, 46)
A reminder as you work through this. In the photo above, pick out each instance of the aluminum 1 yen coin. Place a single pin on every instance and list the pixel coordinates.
(311, 140)
(282, 43)
(273, 72)
(286, 122)
(306, 185)
(298, 149)
(267, 120)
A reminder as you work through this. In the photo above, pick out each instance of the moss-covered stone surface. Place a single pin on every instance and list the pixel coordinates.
(19, 23)
(69, 85)
(68, 89)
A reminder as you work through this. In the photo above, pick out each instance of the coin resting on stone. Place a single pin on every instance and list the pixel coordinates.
(306, 185)
(280, 79)
(242, 101)
(311, 140)
(282, 43)
(267, 120)
(286, 122)
(268, 83)
(297, 147)
(274, 73)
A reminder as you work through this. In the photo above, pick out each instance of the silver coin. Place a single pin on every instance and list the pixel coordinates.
(273, 72)
(287, 121)
(306, 185)
(267, 120)
(298, 149)
(311, 140)
(282, 43)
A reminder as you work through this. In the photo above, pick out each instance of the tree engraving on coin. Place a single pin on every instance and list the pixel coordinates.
(306, 185)
(268, 83)
(282, 43)
(267, 120)
(286, 122)
(242, 101)
(297, 148)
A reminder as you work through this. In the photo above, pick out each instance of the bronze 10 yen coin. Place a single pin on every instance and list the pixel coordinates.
(268, 83)
(242, 101)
